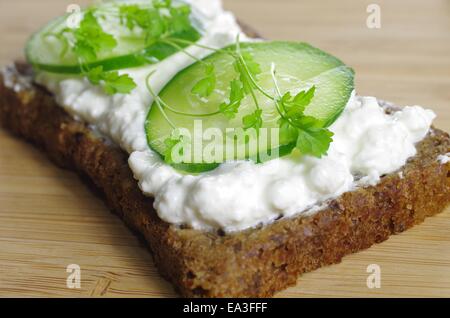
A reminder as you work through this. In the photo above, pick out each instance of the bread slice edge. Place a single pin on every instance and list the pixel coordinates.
(253, 263)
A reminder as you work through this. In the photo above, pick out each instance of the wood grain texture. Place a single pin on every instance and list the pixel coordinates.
(50, 219)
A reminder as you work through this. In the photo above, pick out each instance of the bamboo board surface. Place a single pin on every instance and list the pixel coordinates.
(50, 219)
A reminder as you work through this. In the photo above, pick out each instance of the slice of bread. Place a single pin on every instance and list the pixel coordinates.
(253, 263)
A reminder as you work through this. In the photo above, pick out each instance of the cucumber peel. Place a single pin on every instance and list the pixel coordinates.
(49, 50)
(299, 68)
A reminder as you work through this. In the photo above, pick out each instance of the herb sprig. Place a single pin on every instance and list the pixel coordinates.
(111, 82)
(158, 20)
(306, 132)
(311, 138)
(163, 23)
(87, 41)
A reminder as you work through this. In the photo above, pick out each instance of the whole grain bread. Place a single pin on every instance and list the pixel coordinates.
(252, 263)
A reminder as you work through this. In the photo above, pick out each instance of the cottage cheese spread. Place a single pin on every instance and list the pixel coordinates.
(443, 159)
(367, 144)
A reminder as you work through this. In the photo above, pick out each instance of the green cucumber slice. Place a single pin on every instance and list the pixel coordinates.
(299, 66)
(47, 52)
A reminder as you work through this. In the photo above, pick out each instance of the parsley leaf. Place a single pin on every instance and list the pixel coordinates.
(246, 66)
(206, 85)
(297, 130)
(130, 16)
(253, 67)
(162, 4)
(315, 141)
(307, 122)
(170, 143)
(180, 21)
(148, 19)
(231, 108)
(154, 26)
(90, 39)
(295, 106)
(160, 21)
(115, 83)
(95, 75)
(112, 82)
(305, 131)
(253, 120)
(175, 145)
(288, 133)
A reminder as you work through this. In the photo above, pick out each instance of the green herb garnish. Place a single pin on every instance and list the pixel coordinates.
(206, 86)
(111, 82)
(90, 39)
(231, 108)
(158, 20)
(305, 132)
(157, 29)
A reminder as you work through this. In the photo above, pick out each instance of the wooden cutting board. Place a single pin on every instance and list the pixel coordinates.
(50, 219)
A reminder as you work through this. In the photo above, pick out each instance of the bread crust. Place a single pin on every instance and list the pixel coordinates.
(252, 263)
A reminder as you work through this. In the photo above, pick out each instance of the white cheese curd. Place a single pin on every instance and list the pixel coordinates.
(238, 195)
(443, 159)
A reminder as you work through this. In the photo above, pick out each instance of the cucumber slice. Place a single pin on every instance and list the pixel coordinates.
(299, 67)
(46, 52)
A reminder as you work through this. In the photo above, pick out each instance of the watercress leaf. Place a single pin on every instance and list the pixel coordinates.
(314, 142)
